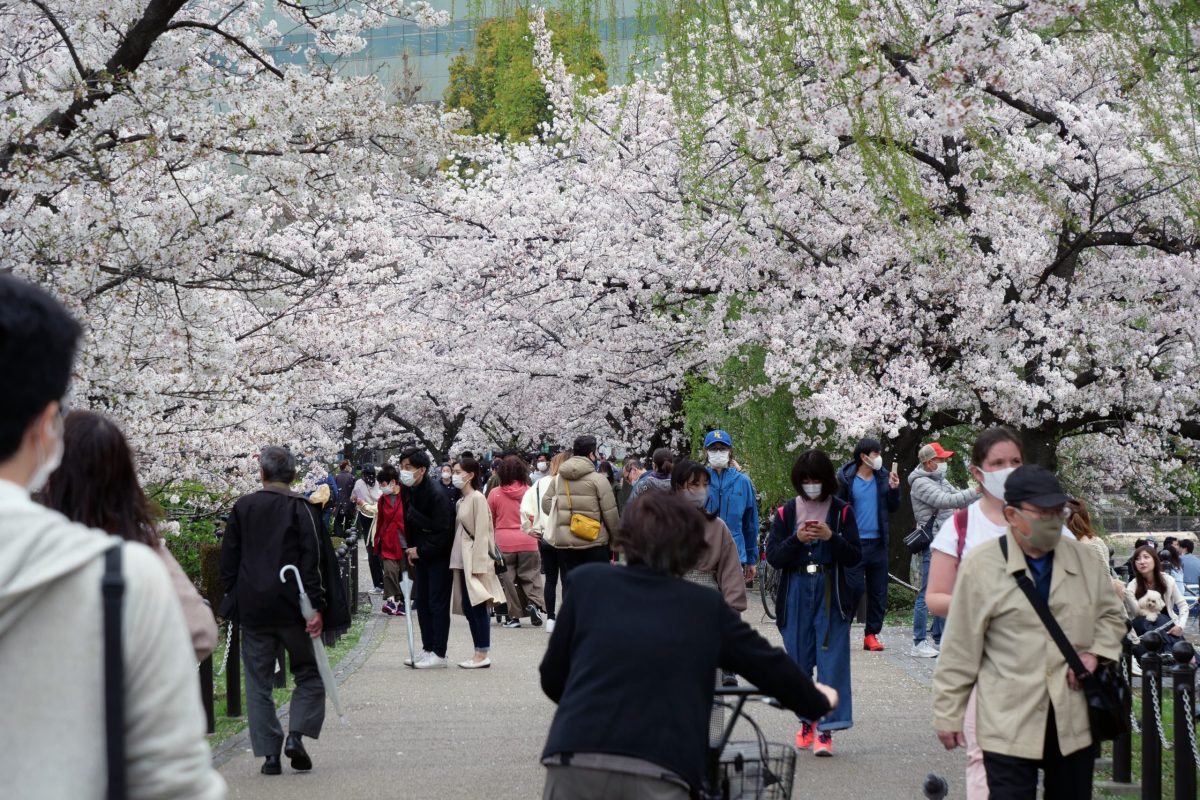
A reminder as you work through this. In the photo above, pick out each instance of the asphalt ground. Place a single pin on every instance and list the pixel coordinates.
(454, 733)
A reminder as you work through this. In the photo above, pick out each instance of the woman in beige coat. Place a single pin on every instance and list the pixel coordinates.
(475, 583)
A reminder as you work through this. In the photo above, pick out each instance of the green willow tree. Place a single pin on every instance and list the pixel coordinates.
(498, 84)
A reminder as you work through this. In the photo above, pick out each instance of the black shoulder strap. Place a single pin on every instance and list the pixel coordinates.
(1043, 611)
(113, 590)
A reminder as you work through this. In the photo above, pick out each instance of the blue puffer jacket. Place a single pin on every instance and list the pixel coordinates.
(731, 497)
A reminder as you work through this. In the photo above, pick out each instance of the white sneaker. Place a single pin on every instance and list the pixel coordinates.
(924, 650)
(421, 656)
(1136, 668)
(430, 661)
(549, 626)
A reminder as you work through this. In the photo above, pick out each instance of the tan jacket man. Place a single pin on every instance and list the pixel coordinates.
(590, 494)
(995, 640)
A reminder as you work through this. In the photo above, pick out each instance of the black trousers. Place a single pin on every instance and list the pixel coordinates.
(1068, 777)
(569, 559)
(432, 581)
(550, 570)
(875, 569)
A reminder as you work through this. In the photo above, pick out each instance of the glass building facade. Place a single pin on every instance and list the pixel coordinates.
(430, 50)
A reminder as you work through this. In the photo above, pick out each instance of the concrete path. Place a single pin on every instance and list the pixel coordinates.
(455, 733)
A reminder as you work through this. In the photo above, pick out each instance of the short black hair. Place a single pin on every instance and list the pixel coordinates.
(814, 465)
(684, 471)
(584, 445)
(417, 457)
(466, 454)
(1187, 545)
(37, 348)
(662, 457)
(278, 464)
(865, 446)
(388, 474)
(662, 531)
(1170, 540)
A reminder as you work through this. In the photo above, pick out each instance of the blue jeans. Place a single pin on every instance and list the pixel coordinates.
(807, 628)
(477, 618)
(920, 612)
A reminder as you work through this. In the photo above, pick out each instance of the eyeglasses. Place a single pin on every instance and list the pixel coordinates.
(1044, 514)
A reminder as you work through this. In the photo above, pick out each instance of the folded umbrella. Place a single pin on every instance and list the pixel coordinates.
(406, 584)
(322, 659)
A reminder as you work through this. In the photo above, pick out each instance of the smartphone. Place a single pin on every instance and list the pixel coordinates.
(895, 467)
(811, 523)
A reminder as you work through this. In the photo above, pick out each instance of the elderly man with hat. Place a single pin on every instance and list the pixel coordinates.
(933, 498)
(1032, 713)
(731, 497)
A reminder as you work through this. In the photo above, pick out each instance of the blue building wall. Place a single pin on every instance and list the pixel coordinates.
(430, 50)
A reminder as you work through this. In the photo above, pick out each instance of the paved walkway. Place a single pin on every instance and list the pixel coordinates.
(478, 734)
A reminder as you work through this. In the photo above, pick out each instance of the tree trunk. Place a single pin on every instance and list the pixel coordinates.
(1041, 446)
(902, 449)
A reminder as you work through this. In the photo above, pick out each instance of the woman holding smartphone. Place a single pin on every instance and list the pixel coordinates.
(814, 543)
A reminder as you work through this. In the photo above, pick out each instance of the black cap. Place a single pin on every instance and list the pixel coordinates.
(1035, 485)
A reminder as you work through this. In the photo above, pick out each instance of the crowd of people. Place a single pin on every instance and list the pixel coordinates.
(508, 541)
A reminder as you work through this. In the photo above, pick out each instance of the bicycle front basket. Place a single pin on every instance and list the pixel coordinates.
(749, 771)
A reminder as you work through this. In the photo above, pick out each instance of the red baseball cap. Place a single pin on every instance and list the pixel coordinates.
(932, 451)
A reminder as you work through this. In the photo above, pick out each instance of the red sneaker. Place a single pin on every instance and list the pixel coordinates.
(804, 736)
(823, 746)
(871, 642)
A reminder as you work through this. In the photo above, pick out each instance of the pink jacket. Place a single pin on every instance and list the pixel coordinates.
(505, 503)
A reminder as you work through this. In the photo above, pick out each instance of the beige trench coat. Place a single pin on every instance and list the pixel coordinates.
(995, 640)
(477, 538)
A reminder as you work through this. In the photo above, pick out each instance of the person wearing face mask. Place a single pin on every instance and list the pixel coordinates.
(731, 496)
(389, 542)
(429, 530)
(933, 498)
(873, 493)
(720, 567)
(446, 484)
(659, 479)
(475, 583)
(814, 544)
(366, 496)
(541, 466)
(1032, 713)
(52, 628)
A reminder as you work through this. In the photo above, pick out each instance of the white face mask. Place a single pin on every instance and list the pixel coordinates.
(718, 458)
(941, 469)
(542, 466)
(446, 474)
(458, 481)
(408, 477)
(46, 468)
(876, 463)
(698, 497)
(993, 482)
(812, 490)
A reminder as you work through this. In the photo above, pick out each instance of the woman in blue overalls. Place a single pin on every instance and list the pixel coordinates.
(813, 543)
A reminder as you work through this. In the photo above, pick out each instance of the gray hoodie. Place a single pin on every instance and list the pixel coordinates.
(51, 657)
(932, 494)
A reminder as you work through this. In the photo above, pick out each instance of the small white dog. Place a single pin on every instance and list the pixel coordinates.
(1151, 605)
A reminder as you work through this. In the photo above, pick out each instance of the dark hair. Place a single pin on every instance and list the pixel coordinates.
(864, 447)
(37, 348)
(992, 437)
(97, 484)
(683, 472)
(662, 531)
(468, 464)
(1188, 545)
(368, 474)
(511, 469)
(662, 458)
(814, 465)
(606, 469)
(345, 465)
(1160, 585)
(584, 445)
(388, 474)
(278, 464)
(417, 457)
(466, 454)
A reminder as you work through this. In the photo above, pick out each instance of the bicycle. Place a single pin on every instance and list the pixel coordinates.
(747, 769)
(768, 577)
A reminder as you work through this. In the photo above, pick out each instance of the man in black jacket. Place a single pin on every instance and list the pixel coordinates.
(268, 530)
(429, 528)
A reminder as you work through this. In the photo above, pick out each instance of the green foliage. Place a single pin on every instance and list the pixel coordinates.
(498, 83)
(767, 437)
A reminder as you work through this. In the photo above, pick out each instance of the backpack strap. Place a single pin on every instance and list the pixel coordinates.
(960, 527)
(112, 587)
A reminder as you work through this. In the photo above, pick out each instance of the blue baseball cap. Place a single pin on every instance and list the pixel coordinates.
(717, 437)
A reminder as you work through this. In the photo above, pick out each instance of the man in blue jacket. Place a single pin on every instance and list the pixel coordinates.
(731, 497)
(873, 492)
